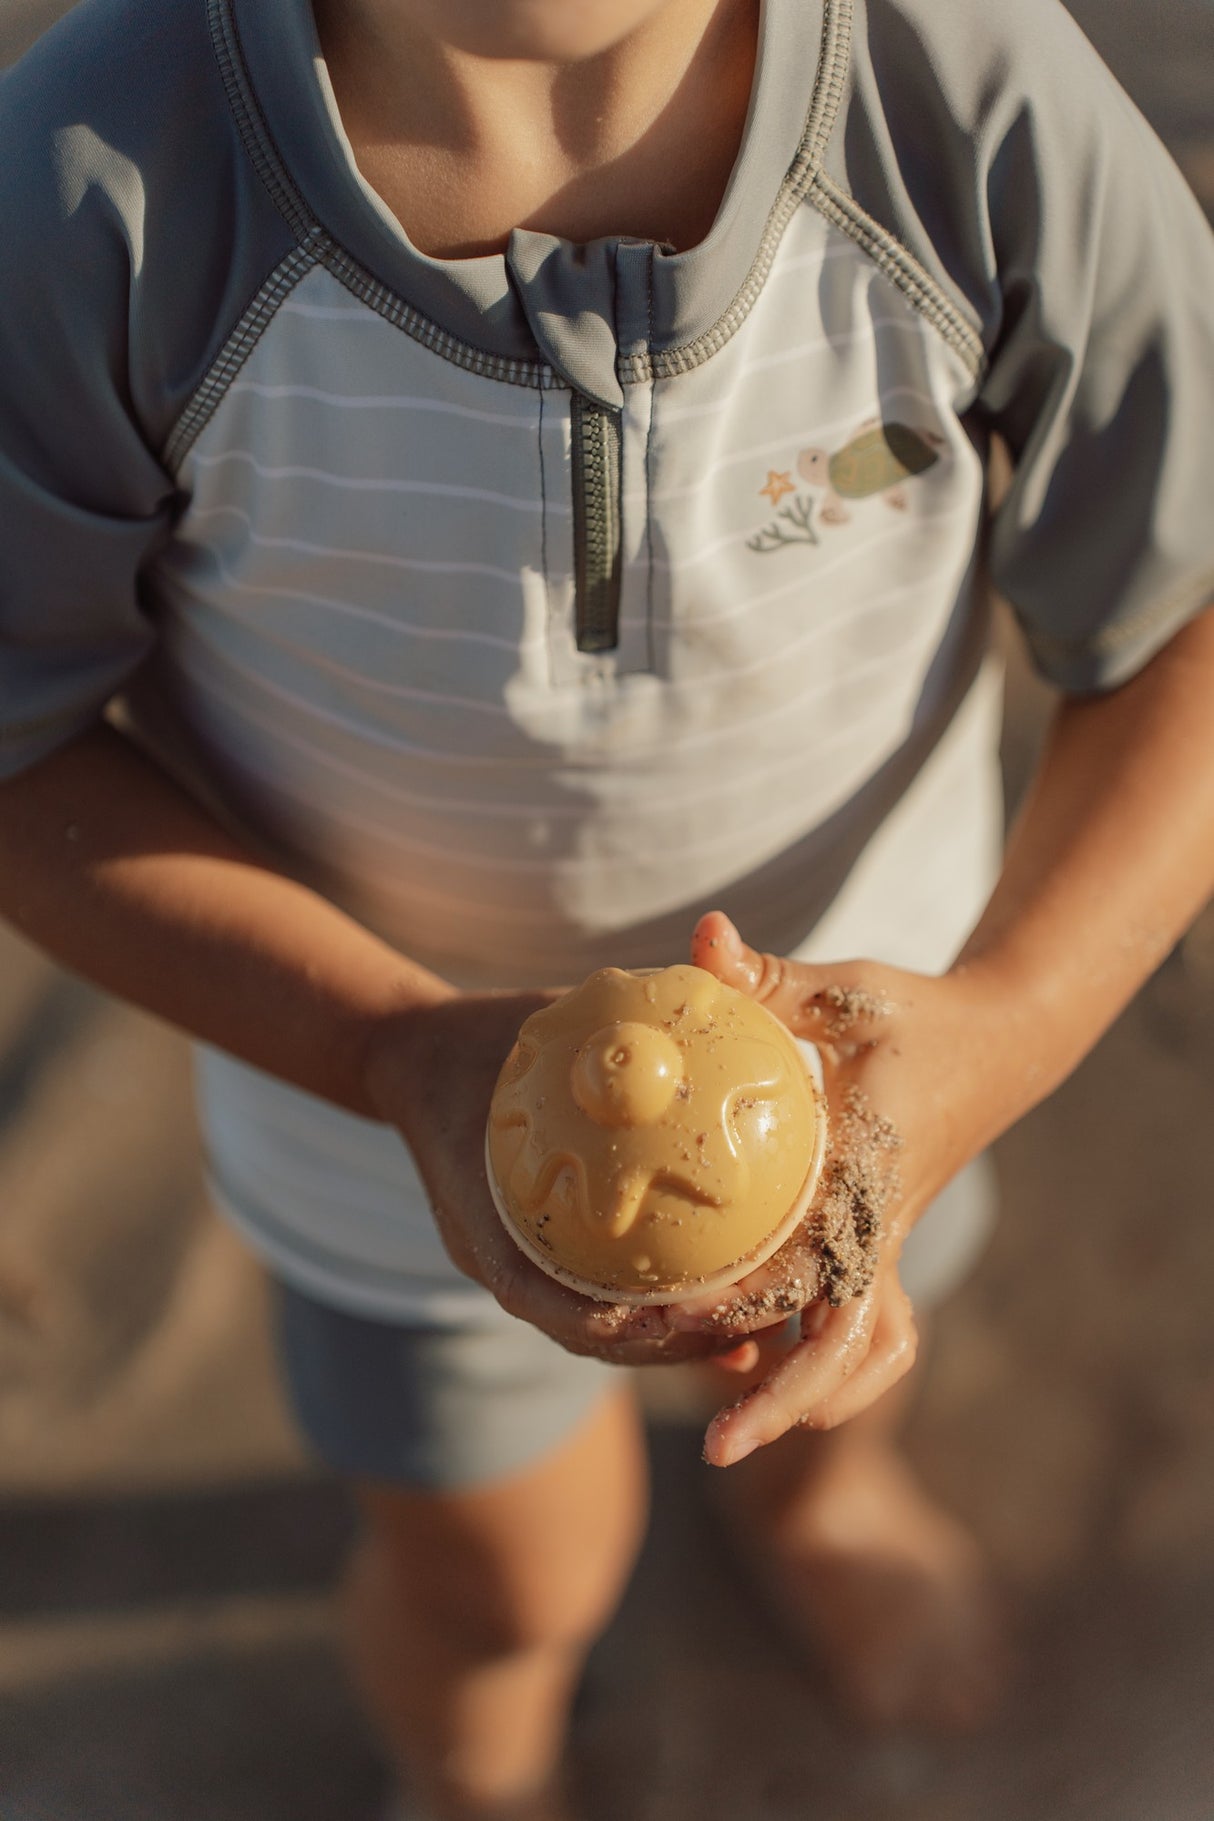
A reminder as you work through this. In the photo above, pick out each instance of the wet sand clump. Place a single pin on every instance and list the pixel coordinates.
(832, 1255)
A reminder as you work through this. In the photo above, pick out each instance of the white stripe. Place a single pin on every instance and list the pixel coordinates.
(839, 246)
(559, 755)
(387, 402)
(384, 834)
(908, 325)
(324, 664)
(347, 484)
(294, 306)
(361, 730)
(736, 540)
(806, 438)
(369, 781)
(449, 634)
(861, 550)
(856, 613)
(422, 565)
(677, 414)
(848, 610)
(364, 780)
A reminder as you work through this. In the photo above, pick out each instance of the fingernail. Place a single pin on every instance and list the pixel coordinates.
(740, 1453)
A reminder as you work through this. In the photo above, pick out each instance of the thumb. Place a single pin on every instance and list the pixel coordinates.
(802, 995)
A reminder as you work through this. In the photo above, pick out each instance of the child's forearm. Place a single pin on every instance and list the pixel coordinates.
(109, 866)
(1110, 859)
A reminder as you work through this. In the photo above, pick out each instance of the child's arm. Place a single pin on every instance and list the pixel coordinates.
(1110, 859)
(118, 873)
(109, 866)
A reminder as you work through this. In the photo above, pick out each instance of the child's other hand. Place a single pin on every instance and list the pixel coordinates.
(431, 1073)
(917, 1083)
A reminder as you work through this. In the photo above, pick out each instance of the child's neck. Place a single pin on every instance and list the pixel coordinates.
(637, 139)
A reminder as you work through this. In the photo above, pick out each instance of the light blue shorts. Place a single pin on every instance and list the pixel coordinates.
(440, 1409)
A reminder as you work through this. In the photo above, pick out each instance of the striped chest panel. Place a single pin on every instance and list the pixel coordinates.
(370, 604)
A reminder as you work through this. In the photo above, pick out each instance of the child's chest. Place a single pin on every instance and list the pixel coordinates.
(787, 528)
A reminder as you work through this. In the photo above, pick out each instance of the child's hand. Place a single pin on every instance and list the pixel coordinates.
(917, 1083)
(431, 1074)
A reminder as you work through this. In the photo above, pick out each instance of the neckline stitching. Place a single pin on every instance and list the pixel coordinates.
(829, 82)
(271, 168)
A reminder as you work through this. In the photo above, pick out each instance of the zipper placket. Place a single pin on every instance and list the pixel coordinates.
(596, 439)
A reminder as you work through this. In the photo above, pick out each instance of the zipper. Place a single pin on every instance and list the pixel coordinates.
(596, 439)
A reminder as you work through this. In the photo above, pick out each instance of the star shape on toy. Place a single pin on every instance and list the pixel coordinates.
(591, 1180)
(777, 486)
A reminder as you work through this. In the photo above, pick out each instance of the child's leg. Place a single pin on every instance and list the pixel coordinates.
(501, 1484)
(469, 1616)
(886, 1590)
(881, 1583)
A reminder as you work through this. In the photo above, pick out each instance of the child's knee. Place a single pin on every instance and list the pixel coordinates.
(526, 1567)
(482, 1603)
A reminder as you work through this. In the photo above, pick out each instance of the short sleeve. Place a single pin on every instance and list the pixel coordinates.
(1100, 378)
(84, 500)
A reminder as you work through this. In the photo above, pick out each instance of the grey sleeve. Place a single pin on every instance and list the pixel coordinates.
(997, 146)
(135, 234)
(1101, 381)
(83, 500)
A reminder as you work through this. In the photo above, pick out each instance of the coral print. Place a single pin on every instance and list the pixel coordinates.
(793, 524)
(880, 460)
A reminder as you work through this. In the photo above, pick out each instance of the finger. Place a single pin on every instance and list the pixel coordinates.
(741, 1359)
(806, 1377)
(759, 1300)
(892, 1354)
(785, 1285)
(577, 1322)
(660, 1350)
(717, 947)
(810, 999)
(748, 1355)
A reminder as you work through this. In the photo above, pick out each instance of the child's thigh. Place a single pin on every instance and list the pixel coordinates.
(433, 1410)
(501, 1481)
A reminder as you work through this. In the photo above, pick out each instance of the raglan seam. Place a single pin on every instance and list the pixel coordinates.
(271, 168)
(901, 267)
(255, 135)
(827, 94)
(235, 352)
(805, 182)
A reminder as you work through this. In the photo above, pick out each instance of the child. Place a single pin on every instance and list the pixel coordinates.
(518, 468)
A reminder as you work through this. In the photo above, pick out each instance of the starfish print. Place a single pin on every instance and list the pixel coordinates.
(777, 486)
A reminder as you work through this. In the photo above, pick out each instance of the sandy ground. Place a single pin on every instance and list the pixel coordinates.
(167, 1555)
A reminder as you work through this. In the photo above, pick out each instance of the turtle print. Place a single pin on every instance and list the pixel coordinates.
(877, 461)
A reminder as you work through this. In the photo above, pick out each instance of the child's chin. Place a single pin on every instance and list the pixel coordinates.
(540, 31)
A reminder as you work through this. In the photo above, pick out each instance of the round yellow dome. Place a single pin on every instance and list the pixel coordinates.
(653, 1133)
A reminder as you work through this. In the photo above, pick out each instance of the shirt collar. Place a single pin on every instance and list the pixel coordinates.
(577, 307)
